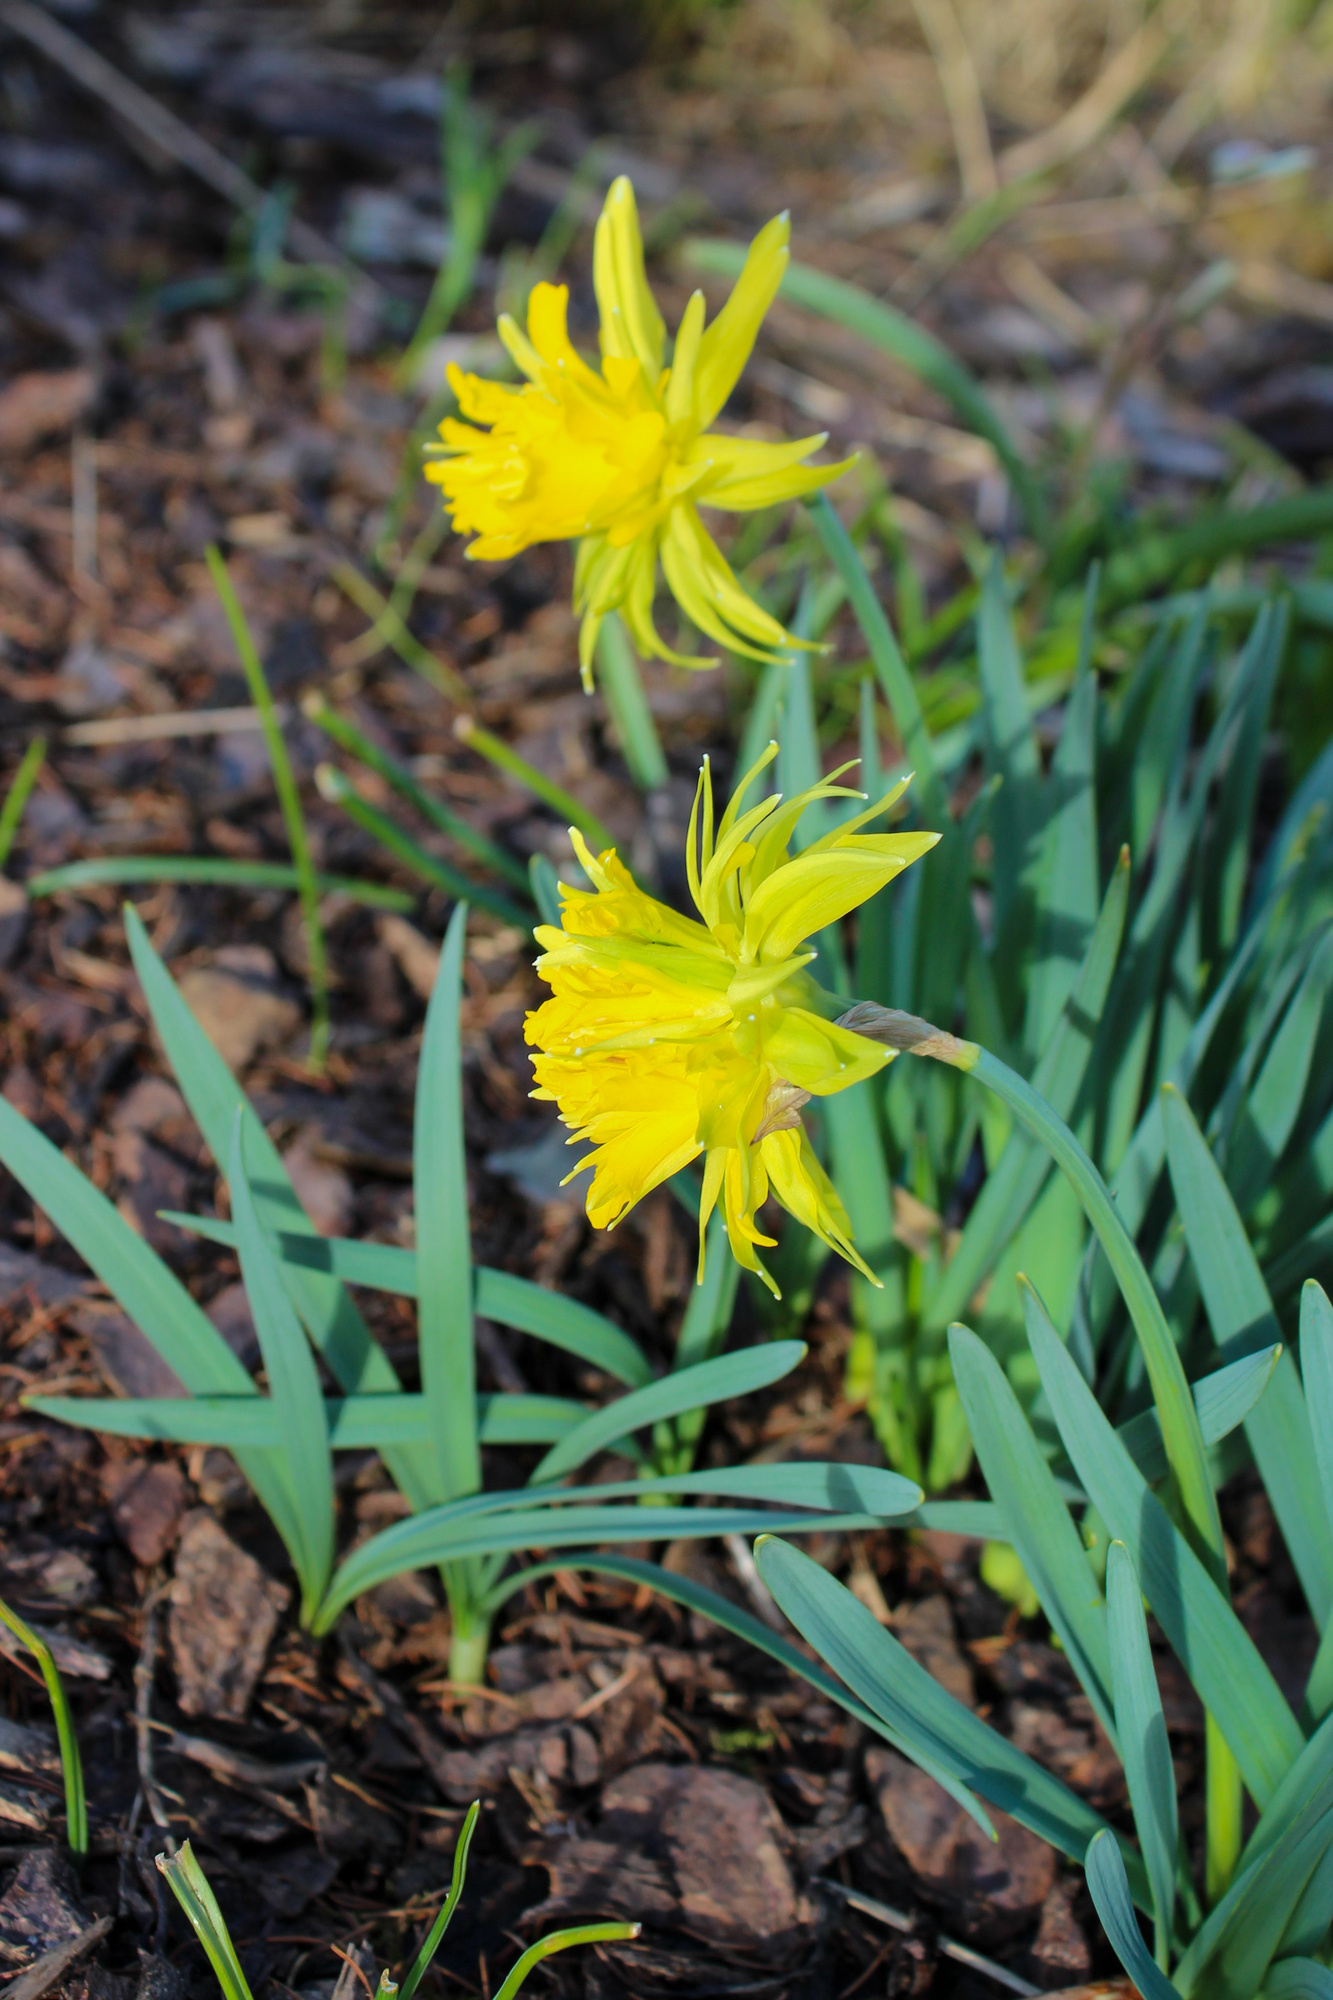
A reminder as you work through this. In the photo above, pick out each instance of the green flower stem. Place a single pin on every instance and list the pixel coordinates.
(507, 760)
(289, 798)
(340, 792)
(24, 779)
(348, 737)
(76, 1808)
(622, 686)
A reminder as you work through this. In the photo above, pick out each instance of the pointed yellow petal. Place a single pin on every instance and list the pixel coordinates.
(725, 347)
(680, 383)
(743, 496)
(702, 584)
(631, 324)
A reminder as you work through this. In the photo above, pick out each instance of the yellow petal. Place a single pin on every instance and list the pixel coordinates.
(631, 324)
(817, 889)
(820, 1057)
(680, 383)
(702, 584)
(742, 496)
(725, 347)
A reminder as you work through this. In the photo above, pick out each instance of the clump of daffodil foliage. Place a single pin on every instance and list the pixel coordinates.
(620, 459)
(669, 1037)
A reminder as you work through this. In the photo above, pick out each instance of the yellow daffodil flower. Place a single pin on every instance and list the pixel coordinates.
(669, 1037)
(622, 458)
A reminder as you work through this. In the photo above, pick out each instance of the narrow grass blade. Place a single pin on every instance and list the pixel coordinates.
(621, 684)
(190, 1887)
(71, 1764)
(19, 793)
(1274, 1103)
(1212, 1645)
(1109, 1887)
(339, 791)
(1230, 1953)
(435, 1935)
(390, 624)
(1241, 1315)
(908, 344)
(1144, 1749)
(609, 1933)
(289, 799)
(203, 870)
(926, 1721)
(293, 1388)
(560, 801)
(714, 1381)
(444, 1245)
(1065, 876)
(1036, 1518)
(351, 739)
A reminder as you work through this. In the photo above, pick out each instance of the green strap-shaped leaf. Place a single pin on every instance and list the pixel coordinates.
(498, 1295)
(687, 1389)
(190, 1887)
(356, 1360)
(882, 1674)
(1298, 1979)
(1212, 1645)
(293, 1388)
(1036, 1518)
(1230, 1953)
(1171, 1394)
(1109, 1887)
(501, 1532)
(435, 1935)
(1067, 894)
(136, 1276)
(1222, 1399)
(729, 1617)
(1241, 1315)
(1274, 1104)
(443, 1238)
(1145, 1750)
(1008, 1194)
(353, 1423)
(1012, 755)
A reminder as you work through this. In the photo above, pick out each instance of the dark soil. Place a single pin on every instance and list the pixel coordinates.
(632, 1760)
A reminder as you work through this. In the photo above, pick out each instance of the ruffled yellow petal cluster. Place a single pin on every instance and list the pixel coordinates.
(621, 458)
(667, 1037)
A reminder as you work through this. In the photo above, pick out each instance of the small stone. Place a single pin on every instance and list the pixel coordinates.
(1059, 1953)
(155, 1176)
(236, 1002)
(323, 1190)
(996, 1887)
(418, 959)
(147, 1501)
(926, 1630)
(224, 1612)
(703, 1848)
(14, 909)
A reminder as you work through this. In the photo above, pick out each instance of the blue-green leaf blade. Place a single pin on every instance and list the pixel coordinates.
(1141, 1726)
(1109, 1887)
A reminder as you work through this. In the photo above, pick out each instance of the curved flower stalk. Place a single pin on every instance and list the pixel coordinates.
(668, 1037)
(621, 458)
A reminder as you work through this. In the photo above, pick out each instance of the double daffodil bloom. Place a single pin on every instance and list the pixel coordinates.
(666, 1037)
(621, 459)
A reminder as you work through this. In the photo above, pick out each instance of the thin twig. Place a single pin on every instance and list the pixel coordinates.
(962, 97)
(175, 722)
(145, 1669)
